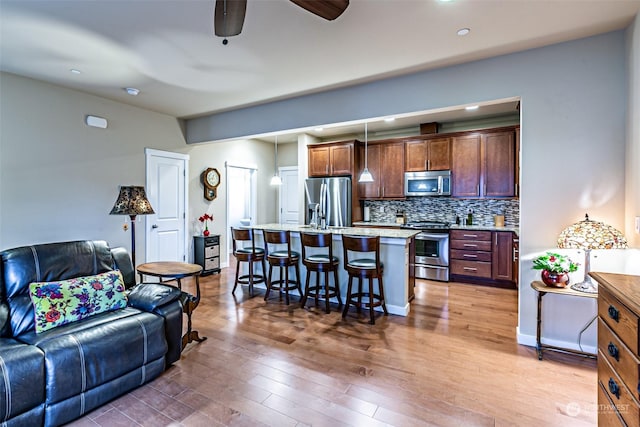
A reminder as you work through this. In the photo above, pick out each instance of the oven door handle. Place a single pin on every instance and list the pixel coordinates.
(425, 236)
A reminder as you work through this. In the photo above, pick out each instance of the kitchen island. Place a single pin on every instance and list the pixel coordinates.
(395, 249)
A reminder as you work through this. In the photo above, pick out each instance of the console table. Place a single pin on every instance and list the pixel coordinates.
(175, 271)
(542, 290)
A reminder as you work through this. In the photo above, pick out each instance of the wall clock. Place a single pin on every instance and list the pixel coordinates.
(210, 180)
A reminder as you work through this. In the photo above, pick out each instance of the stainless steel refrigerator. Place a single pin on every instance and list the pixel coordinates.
(328, 199)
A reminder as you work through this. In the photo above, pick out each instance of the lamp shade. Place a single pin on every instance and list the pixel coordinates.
(132, 200)
(588, 234)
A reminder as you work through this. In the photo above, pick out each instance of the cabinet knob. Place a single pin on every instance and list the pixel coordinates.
(614, 313)
(614, 388)
(613, 351)
(154, 226)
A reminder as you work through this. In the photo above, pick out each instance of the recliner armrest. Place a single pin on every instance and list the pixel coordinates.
(149, 296)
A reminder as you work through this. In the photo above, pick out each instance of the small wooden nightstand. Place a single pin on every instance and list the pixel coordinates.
(542, 290)
(207, 253)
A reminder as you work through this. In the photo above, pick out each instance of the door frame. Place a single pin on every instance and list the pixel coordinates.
(151, 152)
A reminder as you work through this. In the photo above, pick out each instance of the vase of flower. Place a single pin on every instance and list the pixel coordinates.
(555, 280)
(555, 269)
(205, 219)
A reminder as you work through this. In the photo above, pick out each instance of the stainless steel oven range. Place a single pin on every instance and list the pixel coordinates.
(432, 250)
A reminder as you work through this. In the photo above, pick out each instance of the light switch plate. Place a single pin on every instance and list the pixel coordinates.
(638, 224)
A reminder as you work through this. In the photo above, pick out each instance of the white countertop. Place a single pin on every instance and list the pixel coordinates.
(356, 231)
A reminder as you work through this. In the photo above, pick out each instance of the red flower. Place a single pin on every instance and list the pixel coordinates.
(205, 217)
(52, 315)
(96, 285)
(552, 259)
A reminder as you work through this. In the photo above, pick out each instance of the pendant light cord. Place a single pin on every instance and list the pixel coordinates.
(365, 147)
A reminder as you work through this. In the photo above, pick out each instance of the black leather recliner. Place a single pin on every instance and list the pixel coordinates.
(58, 375)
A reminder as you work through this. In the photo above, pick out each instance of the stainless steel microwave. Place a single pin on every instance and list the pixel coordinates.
(427, 183)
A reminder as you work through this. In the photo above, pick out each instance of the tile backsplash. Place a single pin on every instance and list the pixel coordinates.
(446, 209)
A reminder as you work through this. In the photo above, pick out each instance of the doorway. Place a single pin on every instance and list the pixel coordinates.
(241, 197)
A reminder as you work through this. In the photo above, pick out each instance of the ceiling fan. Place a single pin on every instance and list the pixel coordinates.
(229, 14)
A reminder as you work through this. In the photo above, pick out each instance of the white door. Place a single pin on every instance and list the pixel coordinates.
(288, 196)
(166, 238)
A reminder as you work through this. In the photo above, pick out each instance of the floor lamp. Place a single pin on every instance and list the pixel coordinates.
(588, 235)
(132, 201)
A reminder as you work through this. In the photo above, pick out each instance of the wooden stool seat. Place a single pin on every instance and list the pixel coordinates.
(358, 263)
(249, 254)
(320, 263)
(283, 259)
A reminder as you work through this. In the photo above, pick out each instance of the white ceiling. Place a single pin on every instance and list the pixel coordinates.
(166, 48)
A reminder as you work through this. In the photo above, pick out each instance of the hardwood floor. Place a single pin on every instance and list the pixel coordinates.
(453, 361)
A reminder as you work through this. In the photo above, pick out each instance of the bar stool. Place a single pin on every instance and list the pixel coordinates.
(359, 263)
(250, 254)
(320, 263)
(283, 259)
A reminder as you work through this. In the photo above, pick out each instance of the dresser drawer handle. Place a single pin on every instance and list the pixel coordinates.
(469, 256)
(614, 388)
(469, 269)
(613, 351)
(469, 245)
(470, 235)
(614, 313)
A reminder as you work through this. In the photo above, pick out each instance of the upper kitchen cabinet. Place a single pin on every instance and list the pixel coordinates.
(428, 154)
(334, 159)
(386, 163)
(484, 164)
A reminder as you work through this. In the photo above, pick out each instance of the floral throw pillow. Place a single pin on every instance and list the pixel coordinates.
(66, 301)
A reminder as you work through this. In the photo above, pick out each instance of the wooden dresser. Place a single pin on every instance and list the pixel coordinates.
(618, 351)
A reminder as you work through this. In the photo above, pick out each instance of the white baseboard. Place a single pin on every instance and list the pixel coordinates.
(530, 340)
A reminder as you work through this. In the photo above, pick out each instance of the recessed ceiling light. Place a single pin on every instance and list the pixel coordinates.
(74, 71)
(132, 91)
(471, 107)
(463, 31)
(389, 119)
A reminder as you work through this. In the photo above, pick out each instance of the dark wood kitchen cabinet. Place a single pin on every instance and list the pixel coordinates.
(484, 165)
(482, 256)
(331, 159)
(471, 253)
(502, 256)
(428, 154)
(385, 161)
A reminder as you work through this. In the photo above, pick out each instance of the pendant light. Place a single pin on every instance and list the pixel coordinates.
(365, 176)
(275, 180)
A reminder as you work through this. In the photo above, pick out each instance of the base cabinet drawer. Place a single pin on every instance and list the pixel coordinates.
(622, 321)
(617, 392)
(621, 359)
(470, 255)
(608, 415)
(471, 268)
(472, 235)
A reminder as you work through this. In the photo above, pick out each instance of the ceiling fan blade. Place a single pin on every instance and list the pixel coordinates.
(229, 17)
(327, 9)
